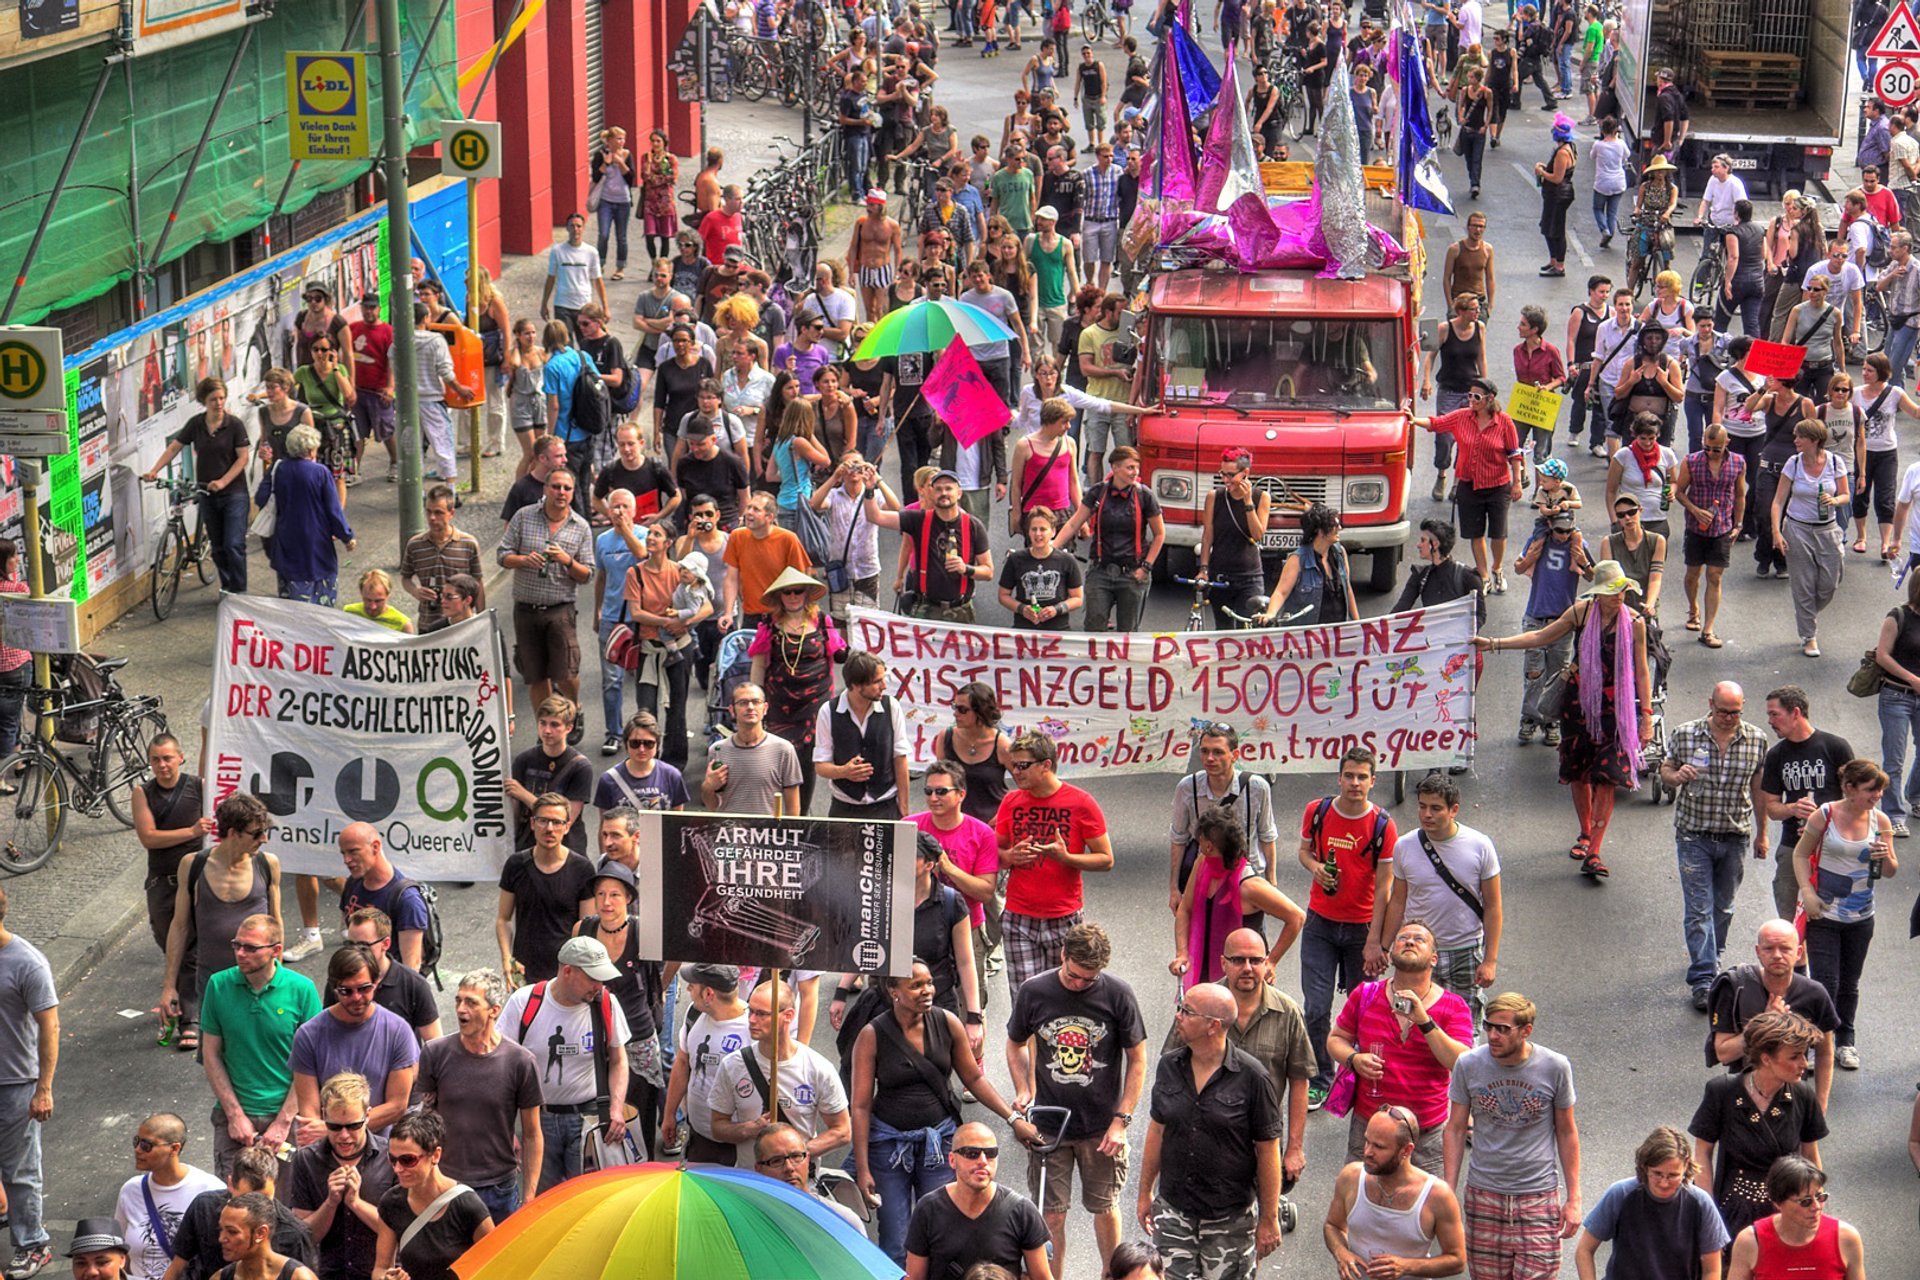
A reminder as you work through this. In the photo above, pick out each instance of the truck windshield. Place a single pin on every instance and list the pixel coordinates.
(1279, 361)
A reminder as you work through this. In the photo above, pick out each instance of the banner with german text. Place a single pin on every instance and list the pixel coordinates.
(331, 719)
(1401, 685)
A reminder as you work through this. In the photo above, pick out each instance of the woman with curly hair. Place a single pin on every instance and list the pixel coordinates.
(734, 322)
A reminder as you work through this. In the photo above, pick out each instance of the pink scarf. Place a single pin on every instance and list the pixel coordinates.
(1216, 913)
(1626, 714)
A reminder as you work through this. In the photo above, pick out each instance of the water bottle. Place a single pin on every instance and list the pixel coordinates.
(1702, 761)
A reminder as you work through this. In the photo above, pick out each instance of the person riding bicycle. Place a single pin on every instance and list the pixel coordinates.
(1653, 210)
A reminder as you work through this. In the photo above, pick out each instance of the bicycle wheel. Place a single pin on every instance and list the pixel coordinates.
(1705, 286)
(1093, 23)
(120, 760)
(1874, 322)
(33, 819)
(755, 78)
(169, 562)
(1296, 117)
(202, 552)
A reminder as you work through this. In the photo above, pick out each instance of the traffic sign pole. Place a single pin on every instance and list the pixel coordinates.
(36, 588)
(393, 104)
(473, 322)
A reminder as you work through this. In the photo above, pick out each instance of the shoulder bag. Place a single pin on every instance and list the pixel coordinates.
(1345, 1089)
(1869, 676)
(426, 1215)
(1460, 891)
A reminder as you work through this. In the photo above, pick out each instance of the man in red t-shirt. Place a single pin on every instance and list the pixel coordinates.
(372, 381)
(1347, 904)
(1049, 834)
(722, 227)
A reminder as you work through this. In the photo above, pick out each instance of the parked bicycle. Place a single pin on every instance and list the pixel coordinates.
(49, 783)
(783, 209)
(182, 543)
(1096, 24)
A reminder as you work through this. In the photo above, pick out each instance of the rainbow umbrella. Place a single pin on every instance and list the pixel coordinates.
(928, 325)
(664, 1222)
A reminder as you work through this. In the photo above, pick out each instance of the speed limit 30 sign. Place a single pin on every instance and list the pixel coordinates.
(1897, 83)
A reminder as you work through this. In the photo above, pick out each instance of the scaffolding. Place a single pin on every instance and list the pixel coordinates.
(183, 147)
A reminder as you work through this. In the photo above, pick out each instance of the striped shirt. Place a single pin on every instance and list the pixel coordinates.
(1716, 495)
(528, 532)
(1720, 800)
(1103, 193)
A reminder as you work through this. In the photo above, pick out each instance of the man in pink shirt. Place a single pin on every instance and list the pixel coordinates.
(972, 858)
(1401, 1037)
(722, 227)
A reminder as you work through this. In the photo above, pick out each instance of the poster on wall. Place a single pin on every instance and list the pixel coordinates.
(1401, 685)
(807, 893)
(162, 24)
(34, 29)
(331, 719)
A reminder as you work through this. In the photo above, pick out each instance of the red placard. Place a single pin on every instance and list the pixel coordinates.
(1775, 360)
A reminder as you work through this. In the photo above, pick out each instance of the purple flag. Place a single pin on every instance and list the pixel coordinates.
(1174, 169)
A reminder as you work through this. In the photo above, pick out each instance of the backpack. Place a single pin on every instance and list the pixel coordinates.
(592, 411)
(432, 938)
(1880, 252)
(1375, 842)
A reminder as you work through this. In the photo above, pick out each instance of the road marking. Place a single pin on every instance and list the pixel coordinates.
(1579, 250)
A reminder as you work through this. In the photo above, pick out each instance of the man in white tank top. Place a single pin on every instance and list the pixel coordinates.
(1384, 1206)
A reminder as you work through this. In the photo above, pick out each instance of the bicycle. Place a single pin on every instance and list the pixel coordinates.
(1648, 254)
(1283, 69)
(48, 785)
(1873, 320)
(1096, 23)
(1197, 611)
(179, 547)
(1710, 273)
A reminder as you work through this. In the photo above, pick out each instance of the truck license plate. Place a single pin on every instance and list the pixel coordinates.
(1280, 540)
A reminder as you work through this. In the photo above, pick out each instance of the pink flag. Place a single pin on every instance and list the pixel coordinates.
(959, 392)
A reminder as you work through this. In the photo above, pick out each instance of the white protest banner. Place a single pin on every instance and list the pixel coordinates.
(331, 719)
(1401, 685)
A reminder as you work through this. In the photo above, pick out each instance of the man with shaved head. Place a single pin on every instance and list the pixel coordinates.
(1770, 983)
(1716, 762)
(373, 882)
(1214, 1140)
(973, 1219)
(154, 1200)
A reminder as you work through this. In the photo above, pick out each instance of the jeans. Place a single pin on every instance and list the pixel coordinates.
(1698, 407)
(1540, 663)
(561, 1159)
(20, 1165)
(224, 516)
(855, 147)
(1330, 951)
(1606, 213)
(904, 1168)
(1114, 590)
(501, 1198)
(1899, 709)
(1474, 143)
(1836, 953)
(614, 217)
(1564, 65)
(1900, 350)
(613, 683)
(1711, 867)
(1602, 425)
(1747, 296)
(13, 699)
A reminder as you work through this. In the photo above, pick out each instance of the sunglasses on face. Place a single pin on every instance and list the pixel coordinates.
(939, 792)
(1808, 1201)
(144, 1145)
(643, 744)
(346, 1126)
(404, 1161)
(248, 948)
(993, 1153)
(354, 992)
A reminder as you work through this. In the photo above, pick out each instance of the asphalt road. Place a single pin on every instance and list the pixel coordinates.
(1605, 963)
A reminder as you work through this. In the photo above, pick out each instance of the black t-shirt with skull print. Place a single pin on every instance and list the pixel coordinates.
(1080, 1039)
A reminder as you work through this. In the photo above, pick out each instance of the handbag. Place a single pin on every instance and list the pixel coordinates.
(1553, 692)
(812, 531)
(839, 577)
(426, 1216)
(266, 520)
(1343, 1092)
(623, 643)
(1868, 677)
(593, 195)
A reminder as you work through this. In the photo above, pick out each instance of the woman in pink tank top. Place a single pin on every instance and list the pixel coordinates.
(1045, 466)
(1798, 1241)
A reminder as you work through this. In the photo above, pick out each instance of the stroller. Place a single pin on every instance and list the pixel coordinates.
(1654, 749)
(731, 669)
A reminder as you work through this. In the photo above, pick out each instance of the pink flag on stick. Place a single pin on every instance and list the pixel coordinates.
(959, 392)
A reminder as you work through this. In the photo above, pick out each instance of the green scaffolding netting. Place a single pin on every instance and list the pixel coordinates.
(90, 245)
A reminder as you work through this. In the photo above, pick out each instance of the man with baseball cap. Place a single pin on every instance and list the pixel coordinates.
(950, 551)
(578, 1036)
(1056, 274)
(98, 1251)
(719, 1029)
(875, 251)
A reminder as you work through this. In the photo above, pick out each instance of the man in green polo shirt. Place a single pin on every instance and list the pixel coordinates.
(247, 1019)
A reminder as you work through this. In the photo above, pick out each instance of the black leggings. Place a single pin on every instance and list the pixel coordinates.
(1767, 554)
(1553, 225)
(1882, 476)
(1748, 447)
(659, 247)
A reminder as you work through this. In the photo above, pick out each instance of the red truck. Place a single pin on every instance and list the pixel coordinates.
(1307, 374)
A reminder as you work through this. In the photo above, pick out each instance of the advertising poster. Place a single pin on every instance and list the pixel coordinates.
(1401, 685)
(804, 893)
(331, 719)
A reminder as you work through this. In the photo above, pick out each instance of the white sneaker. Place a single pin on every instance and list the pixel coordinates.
(310, 945)
(1847, 1058)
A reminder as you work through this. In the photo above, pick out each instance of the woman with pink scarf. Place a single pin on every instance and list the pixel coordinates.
(1225, 893)
(1606, 714)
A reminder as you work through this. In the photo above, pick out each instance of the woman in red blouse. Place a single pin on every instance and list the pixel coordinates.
(1490, 472)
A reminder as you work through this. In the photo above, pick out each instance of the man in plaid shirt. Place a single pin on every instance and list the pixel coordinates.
(1715, 761)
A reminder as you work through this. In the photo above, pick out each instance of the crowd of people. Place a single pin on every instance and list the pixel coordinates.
(723, 472)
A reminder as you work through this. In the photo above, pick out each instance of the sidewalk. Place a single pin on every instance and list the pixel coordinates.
(93, 892)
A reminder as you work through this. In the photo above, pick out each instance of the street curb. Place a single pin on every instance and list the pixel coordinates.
(84, 940)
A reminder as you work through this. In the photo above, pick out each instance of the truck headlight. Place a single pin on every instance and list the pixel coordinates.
(1174, 488)
(1369, 493)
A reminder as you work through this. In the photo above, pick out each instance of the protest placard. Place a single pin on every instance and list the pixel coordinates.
(831, 894)
(1532, 407)
(1401, 685)
(1774, 360)
(332, 719)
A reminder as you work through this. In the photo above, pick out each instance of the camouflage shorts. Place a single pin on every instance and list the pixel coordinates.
(934, 611)
(1204, 1248)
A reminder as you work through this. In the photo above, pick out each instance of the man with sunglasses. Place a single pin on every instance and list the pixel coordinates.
(1213, 1147)
(1798, 1238)
(353, 1034)
(973, 1219)
(333, 1186)
(1050, 835)
(401, 990)
(153, 1201)
(970, 855)
(1520, 1096)
(248, 1017)
(1710, 486)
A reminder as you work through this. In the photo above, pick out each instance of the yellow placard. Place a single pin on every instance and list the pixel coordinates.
(1532, 407)
(327, 106)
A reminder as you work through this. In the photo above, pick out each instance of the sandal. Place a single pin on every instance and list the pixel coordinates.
(1593, 868)
(189, 1038)
(1693, 622)
(1582, 848)
(1711, 640)
(1860, 547)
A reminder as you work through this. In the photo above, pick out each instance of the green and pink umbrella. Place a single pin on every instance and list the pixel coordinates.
(930, 325)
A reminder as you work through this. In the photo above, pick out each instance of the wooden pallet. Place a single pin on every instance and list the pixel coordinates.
(1748, 82)
(1750, 101)
(1715, 62)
